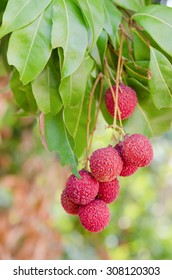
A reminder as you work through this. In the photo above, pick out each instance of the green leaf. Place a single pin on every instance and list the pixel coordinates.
(57, 140)
(69, 32)
(30, 47)
(73, 92)
(3, 5)
(72, 88)
(45, 89)
(141, 50)
(93, 12)
(112, 20)
(133, 5)
(147, 119)
(160, 83)
(22, 94)
(138, 70)
(157, 22)
(98, 52)
(19, 13)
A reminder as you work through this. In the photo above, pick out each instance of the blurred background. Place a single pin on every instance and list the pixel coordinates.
(33, 225)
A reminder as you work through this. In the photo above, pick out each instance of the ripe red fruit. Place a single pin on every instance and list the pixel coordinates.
(94, 216)
(127, 101)
(127, 169)
(69, 206)
(82, 190)
(137, 150)
(109, 191)
(105, 164)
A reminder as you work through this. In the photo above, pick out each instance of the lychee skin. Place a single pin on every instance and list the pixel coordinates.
(105, 164)
(69, 206)
(137, 150)
(94, 216)
(109, 191)
(127, 169)
(82, 190)
(127, 101)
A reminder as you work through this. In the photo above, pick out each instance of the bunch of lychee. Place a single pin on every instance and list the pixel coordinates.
(89, 195)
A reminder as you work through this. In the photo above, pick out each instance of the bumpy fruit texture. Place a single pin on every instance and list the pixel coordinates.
(94, 216)
(137, 150)
(127, 169)
(109, 191)
(82, 190)
(69, 206)
(127, 101)
(106, 164)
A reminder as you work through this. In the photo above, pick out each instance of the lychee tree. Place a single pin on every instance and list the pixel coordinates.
(61, 56)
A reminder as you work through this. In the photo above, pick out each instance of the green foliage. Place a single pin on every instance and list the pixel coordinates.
(69, 32)
(58, 140)
(30, 48)
(161, 70)
(19, 13)
(57, 49)
(157, 21)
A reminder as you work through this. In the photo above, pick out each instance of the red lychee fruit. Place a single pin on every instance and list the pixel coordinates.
(82, 190)
(127, 169)
(109, 191)
(106, 164)
(127, 101)
(94, 216)
(69, 206)
(137, 150)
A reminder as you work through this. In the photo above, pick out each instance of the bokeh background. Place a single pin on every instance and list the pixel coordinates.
(33, 224)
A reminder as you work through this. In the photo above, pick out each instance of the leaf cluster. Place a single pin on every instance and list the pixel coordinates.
(55, 49)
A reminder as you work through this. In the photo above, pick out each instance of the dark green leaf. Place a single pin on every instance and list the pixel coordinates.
(94, 14)
(138, 70)
(57, 140)
(30, 47)
(157, 21)
(19, 13)
(22, 94)
(160, 83)
(69, 32)
(112, 20)
(45, 89)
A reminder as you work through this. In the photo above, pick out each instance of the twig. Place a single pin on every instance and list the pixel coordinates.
(97, 114)
(99, 77)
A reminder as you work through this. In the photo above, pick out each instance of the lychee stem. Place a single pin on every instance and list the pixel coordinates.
(99, 77)
(97, 114)
(114, 126)
(118, 76)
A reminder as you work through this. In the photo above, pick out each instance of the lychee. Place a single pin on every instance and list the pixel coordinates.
(82, 190)
(137, 150)
(69, 206)
(109, 191)
(127, 169)
(94, 216)
(127, 101)
(105, 164)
